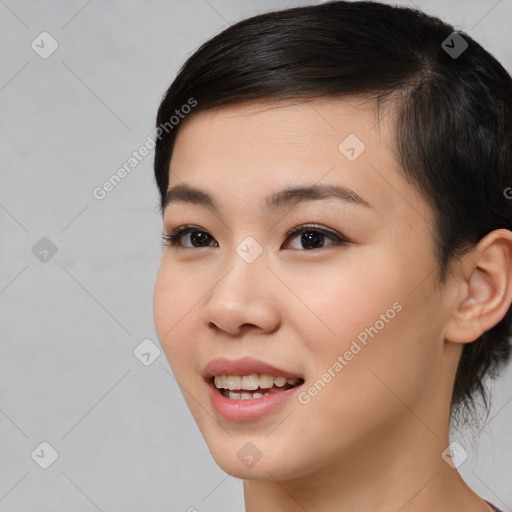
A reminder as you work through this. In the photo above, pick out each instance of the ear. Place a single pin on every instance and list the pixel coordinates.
(485, 291)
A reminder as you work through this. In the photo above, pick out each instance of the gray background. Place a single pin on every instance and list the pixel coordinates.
(70, 324)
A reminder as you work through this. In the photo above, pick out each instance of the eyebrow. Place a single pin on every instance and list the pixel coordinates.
(288, 197)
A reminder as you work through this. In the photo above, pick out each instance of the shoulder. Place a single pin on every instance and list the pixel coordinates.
(495, 509)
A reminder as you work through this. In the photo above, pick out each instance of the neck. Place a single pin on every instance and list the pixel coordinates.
(399, 469)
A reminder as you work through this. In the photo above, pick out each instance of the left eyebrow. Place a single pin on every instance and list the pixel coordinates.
(287, 197)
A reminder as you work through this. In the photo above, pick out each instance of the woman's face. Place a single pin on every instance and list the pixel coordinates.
(348, 304)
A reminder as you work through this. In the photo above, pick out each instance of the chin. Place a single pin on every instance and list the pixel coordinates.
(253, 458)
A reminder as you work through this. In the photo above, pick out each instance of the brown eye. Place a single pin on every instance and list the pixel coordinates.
(313, 237)
(197, 236)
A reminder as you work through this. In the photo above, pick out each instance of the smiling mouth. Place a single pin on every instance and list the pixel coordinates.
(253, 386)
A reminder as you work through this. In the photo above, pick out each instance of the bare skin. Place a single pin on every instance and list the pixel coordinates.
(371, 439)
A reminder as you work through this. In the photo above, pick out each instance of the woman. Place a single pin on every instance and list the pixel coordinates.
(336, 276)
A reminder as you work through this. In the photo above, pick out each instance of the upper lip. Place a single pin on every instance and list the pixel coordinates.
(245, 366)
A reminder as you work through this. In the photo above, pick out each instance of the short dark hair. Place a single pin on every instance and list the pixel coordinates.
(453, 118)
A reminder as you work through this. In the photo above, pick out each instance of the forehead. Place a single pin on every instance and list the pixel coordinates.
(262, 147)
(286, 127)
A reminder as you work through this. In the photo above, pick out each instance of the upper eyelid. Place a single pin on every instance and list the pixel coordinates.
(185, 229)
(297, 230)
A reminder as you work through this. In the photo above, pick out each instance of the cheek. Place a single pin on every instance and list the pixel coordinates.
(374, 384)
(335, 303)
(173, 307)
(368, 334)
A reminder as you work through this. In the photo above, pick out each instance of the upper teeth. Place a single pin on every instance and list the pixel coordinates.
(251, 382)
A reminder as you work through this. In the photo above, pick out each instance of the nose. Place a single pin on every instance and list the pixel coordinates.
(243, 299)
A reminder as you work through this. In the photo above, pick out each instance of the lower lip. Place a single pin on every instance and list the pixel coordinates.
(248, 410)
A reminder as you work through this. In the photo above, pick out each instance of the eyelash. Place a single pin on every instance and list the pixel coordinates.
(172, 238)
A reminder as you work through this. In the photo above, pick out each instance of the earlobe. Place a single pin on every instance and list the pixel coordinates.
(487, 288)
